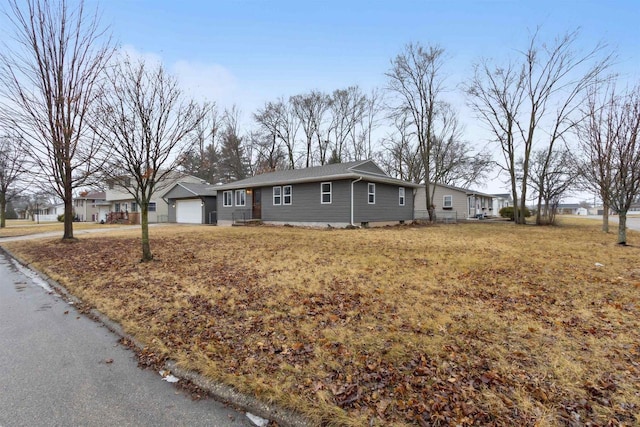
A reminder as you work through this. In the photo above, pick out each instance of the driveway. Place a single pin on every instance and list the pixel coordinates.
(633, 222)
(61, 368)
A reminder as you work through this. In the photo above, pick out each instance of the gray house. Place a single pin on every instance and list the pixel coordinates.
(357, 193)
(192, 203)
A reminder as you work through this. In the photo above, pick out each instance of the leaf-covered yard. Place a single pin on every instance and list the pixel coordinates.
(447, 325)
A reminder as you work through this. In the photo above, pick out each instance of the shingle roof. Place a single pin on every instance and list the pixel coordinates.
(199, 189)
(350, 170)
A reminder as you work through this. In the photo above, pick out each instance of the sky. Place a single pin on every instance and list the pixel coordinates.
(248, 52)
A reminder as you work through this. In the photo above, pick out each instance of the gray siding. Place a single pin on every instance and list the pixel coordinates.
(209, 209)
(387, 204)
(459, 202)
(227, 213)
(178, 192)
(306, 206)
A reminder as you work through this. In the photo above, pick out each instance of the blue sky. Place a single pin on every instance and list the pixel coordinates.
(251, 51)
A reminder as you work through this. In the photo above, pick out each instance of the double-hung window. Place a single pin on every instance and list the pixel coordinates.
(325, 193)
(227, 198)
(447, 202)
(371, 189)
(401, 196)
(277, 196)
(240, 197)
(286, 195)
(152, 207)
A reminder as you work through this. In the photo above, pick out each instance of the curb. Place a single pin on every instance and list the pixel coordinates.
(218, 391)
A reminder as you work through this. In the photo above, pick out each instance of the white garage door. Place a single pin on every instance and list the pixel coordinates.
(189, 211)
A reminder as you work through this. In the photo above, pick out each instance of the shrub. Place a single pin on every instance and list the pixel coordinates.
(507, 212)
(61, 218)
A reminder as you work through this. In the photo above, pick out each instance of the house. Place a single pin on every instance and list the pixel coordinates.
(572, 209)
(356, 193)
(500, 201)
(454, 203)
(90, 206)
(122, 205)
(192, 203)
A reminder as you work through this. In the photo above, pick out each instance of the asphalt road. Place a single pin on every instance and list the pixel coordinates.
(633, 222)
(59, 368)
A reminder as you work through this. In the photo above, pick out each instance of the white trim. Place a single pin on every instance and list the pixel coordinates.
(241, 197)
(285, 195)
(370, 186)
(224, 198)
(401, 196)
(322, 193)
(444, 201)
(279, 195)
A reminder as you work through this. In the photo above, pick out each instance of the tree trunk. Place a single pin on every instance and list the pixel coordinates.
(144, 222)
(539, 212)
(68, 208)
(622, 228)
(605, 217)
(3, 211)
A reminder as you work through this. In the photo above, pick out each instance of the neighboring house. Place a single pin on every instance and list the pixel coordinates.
(501, 201)
(87, 206)
(191, 203)
(571, 209)
(356, 193)
(454, 203)
(122, 203)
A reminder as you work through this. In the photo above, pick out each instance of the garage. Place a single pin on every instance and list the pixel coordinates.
(189, 211)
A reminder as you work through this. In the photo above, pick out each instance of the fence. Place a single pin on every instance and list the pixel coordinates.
(445, 217)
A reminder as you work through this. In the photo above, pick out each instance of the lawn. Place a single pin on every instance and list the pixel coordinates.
(24, 227)
(479, 323)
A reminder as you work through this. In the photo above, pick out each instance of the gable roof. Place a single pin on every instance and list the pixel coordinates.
(466, 191)
(365, 169)
(197, 189)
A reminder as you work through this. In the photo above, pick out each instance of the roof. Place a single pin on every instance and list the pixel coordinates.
(467, 191)
(95, 195)
(365, 169)
(198, 189)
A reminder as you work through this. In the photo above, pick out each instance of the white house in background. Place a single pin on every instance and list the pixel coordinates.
(454, 203)
(501, 201)
(91, 206)
(121, 201)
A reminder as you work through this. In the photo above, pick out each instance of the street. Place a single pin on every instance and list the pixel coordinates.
(61, 368)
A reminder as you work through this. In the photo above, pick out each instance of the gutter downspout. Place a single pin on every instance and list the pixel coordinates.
(353, 182)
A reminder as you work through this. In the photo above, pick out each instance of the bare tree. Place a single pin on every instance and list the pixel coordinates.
(279, 120)
(234, 162)
(347, 108)
(48, 84)
(310, 108)
(203, 160)
(149, 125)
(544, 90)
(417, 78)
(551, 176)
(612, 151)
(400, 157)
(596, 139)
(13, 167)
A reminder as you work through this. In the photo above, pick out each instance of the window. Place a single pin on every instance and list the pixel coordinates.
(447, 202)
(240, 197)
(401, 196)
(117, 207)
(325, 193)
(277, 196)
(227, 198)
(286, 190)
(372, 193)
(152, 206)
(134, 207)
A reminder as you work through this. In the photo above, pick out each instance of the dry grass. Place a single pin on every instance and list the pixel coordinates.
(473, 323)
(23, 227)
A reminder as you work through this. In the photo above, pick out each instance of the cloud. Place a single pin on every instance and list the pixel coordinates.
(202, 81)
(211, 82)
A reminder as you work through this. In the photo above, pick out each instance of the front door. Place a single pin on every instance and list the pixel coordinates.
(256, 204)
